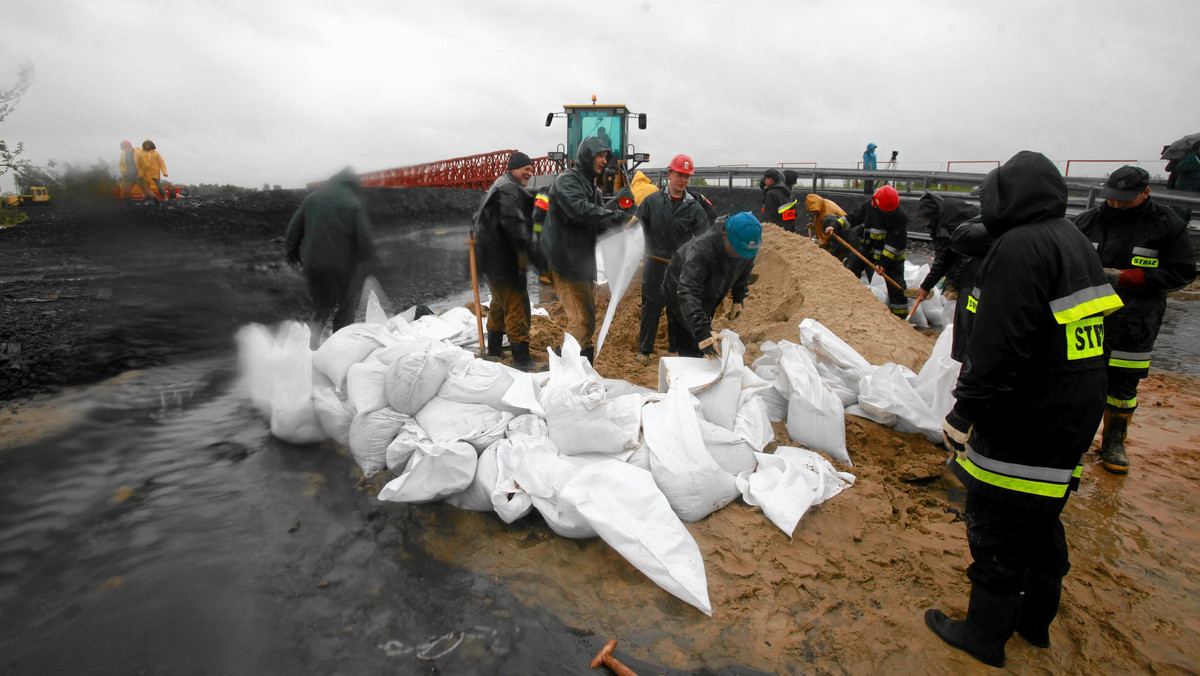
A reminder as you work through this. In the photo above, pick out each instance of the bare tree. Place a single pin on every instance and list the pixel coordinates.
(10, 157)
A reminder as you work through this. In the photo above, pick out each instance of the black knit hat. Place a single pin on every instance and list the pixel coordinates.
(518, 160)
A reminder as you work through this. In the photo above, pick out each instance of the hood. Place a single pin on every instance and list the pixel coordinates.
(928, 207)
(346, 177)
(971, 238)
(813, 202)
(871, 147)
(1028, 188)
(588, 149)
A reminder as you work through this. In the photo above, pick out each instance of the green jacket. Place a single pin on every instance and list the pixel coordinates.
(576, 217)
(329, 233)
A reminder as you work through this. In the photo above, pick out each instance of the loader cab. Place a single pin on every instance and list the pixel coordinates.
(610, 124)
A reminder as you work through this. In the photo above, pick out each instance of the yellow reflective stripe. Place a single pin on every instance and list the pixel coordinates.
(537, 227)
(787, 206)
(1011, 483)
(1122, 403)
(1095, 300)
(1128, 363)
(1085, 338)
(972, 304)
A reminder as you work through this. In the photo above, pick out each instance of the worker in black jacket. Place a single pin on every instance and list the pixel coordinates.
(943, 216)
(702, 272)
(1146, 252)
(779, 204)
(504, 229)
(1028, 400)
(669, 218)
(576, 217)
(969, 244)
(884, 240)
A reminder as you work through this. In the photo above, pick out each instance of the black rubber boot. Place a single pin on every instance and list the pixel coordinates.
(590, 354)
(1112, 444)
(1039, 607)
(495, 344)
(521, 359)
(991, 620)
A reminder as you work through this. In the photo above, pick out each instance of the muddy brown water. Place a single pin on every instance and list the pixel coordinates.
(163, 530)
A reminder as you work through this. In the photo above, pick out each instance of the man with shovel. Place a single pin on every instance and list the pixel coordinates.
(504, 228)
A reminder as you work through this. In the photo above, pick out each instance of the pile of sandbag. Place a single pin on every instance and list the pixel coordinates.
(594, 457)
(823, 377)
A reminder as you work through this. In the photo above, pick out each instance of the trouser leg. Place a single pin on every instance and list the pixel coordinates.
(897, 301)
(652, 304)
(580, 307)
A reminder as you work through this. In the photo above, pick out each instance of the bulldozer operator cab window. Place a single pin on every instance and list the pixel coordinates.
(603, 125)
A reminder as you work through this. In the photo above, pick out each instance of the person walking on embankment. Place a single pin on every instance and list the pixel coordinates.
(1146, 253)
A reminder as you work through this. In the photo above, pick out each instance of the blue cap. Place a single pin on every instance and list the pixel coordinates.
(744, 233)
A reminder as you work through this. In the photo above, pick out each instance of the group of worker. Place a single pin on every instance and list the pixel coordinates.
(142, 167)
(1054, 326)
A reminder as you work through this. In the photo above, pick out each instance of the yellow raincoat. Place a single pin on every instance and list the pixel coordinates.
(820, 208)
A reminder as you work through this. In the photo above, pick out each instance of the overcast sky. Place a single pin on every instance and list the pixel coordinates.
(289, 92)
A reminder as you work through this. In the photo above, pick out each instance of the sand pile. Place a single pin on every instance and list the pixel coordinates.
(796, 280)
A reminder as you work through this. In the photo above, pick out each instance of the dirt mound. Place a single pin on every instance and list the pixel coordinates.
(796, 280)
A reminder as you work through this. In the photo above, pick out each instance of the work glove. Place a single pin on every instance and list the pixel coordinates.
(711, 346)
(734, 312)
(1133, 278)
(955, 430)
(631, 222)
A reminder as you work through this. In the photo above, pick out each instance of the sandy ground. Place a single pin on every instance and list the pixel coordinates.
(847, 593)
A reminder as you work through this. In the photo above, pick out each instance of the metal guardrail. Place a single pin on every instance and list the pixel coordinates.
(909, 181)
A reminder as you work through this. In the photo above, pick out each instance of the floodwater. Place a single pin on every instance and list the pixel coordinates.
(164, 530)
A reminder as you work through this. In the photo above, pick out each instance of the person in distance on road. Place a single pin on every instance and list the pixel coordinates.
(129, 173)
(151, 167)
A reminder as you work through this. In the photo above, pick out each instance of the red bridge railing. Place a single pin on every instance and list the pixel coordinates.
(475, 172)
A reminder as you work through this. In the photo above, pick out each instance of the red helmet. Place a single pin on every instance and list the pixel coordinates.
(886, 198)
(126, 145)
(683, 164)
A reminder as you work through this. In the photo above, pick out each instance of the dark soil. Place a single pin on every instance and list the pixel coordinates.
(88, 291)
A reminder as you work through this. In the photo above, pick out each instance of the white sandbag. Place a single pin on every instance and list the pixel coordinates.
(408, 440)
(816, 417)
(788, 482)
(616, 387)
(333, 413)
(579, 416)
(767, 368)
(524, 393)
(640, 457)
(258, 365)
(716, 383)
(293, 417)
(527, 425)
(734, 449)
(479, 425)
(413, 379)
(542, 473)
(627, 510)
(370, 436)
(510, 500)
(375, 313)
(693, 483)
(939, 376)
(409, 343)
(349, 345)
(889, 392)
(619, 253)
(827, 347)
(435, 471)
(365, 387)
(479, 381)
(455, 326)
(477, 497)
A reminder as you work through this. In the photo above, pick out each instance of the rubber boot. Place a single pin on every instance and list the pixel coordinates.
(495, 345)
(1039, 607)
(991, 620)
(1112, 444)
(522, 360)
(590, 353)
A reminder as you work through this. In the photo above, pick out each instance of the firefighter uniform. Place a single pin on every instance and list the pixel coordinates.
(884, 240)
(666, 224)
(1028, 400)
(779, 204)
(1147, 253)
